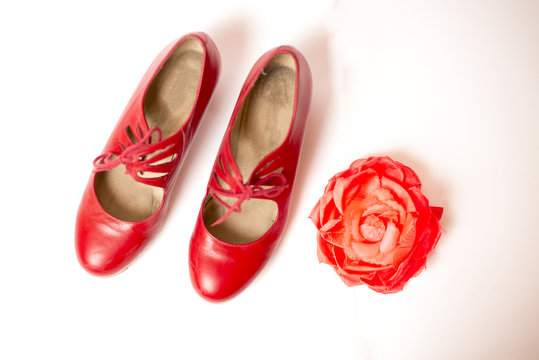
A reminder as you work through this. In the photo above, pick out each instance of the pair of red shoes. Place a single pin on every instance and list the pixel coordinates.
(246, 205)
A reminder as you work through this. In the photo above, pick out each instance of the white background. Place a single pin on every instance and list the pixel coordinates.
(450, 88)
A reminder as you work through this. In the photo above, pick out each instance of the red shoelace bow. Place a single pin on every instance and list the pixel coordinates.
(131, 155)
(143, 156)
(263, 183)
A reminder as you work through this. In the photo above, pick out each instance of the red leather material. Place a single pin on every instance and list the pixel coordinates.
(219, 270)
(104, 244)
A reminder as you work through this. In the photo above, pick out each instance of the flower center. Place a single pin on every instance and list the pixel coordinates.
(372, 228)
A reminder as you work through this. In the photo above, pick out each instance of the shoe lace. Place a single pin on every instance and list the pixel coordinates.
(131, 156)
(146, 153)
(263, 184)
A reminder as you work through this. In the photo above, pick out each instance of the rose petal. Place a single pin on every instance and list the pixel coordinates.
(330, 225)
(329, 254)
(331, 182)
(315, 215)
(390, 238)
(407, 270)
(370, 187)
(361, 251)
(348, 279)
(420, 201)
(323, 251)
(351, 267)
(347, 189)
(335, 236)
(377, 208)
(328, 211)
(423, 244)
(358, 164)
(397, 212)
(406, 240)
(380, 193)
(368, 276)
(385, 166)
(386, 203)
(410, 177)
(338, 255)
(354, 229)
(374, 282)
(361, 267)
(437, 212)
(399, 192)
(338, 193)
(351, 219)
(436, 231)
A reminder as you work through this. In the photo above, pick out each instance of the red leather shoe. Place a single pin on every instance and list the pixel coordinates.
(127, 196)
(246, 206)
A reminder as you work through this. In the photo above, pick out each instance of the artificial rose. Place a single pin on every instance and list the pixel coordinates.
(375, 227)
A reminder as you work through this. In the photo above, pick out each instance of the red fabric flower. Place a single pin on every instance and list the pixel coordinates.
(375, 227)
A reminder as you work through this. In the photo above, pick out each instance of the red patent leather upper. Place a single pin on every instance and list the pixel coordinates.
(104, 244)
(220, 270)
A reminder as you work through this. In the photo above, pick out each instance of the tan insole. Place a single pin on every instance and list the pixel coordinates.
(264, 124)
(167, 105)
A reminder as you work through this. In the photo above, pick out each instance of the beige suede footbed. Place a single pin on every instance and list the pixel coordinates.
(167, 105)
(261, 127)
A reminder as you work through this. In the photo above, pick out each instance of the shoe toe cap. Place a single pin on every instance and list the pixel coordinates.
(104, 250)
(215, 281)
(219, 270)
